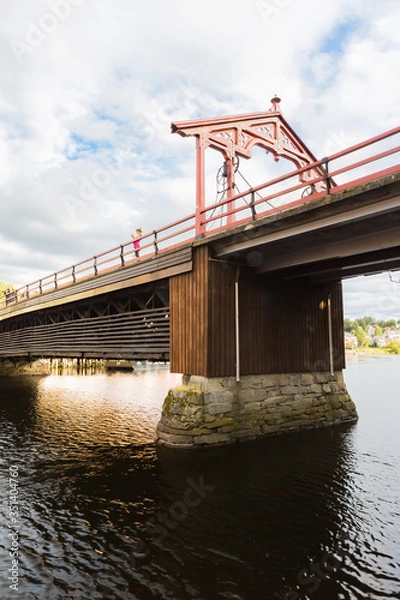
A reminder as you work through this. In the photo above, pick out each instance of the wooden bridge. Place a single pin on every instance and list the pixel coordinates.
(249, 286)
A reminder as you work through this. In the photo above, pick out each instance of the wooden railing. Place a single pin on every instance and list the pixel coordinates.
(372, 159)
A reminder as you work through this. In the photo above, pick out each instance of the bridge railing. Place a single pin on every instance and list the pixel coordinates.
(165, 238)
(374, 158)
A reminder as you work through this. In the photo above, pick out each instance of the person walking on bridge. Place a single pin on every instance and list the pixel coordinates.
(136, 241)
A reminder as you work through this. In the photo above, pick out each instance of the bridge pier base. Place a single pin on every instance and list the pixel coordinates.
(25, 367)
(219, 410)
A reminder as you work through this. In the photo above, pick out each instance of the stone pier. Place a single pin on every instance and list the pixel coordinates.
(208, 411)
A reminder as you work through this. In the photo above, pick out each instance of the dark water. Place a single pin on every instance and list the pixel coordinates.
(103, 514)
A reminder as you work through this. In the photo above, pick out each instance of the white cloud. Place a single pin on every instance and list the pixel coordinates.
(377, 296)
(98, 78)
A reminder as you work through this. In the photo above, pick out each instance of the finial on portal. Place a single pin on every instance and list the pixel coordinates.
(275, 104)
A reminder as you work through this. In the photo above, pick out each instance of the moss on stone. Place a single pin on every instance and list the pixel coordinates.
(183, 396)
(167, 403)
(217, 417)
(334, 402)
(221, 422)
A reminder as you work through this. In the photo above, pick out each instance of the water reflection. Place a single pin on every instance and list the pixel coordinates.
(18, 401)
(106, 515)
(276, 507)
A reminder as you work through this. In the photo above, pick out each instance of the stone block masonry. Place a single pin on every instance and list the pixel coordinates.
(209, 411)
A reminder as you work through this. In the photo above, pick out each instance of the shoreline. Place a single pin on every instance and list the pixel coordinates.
(357, 352)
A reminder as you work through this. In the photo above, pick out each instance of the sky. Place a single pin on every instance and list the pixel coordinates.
(89, 89)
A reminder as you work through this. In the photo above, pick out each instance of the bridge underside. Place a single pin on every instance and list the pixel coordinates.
(129, 324)
(344, 235)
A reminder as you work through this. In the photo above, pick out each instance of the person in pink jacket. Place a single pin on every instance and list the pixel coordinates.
(136, 241)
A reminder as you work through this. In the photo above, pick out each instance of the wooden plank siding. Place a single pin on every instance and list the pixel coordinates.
(283, 324)
(189, 310)
(134, 335)
(296, 327)
(258, 331)
(221, 323)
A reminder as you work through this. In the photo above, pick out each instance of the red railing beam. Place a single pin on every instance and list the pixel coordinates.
(365, 143)
(365, 161)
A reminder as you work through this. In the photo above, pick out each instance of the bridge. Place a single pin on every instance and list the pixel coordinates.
(243, 296)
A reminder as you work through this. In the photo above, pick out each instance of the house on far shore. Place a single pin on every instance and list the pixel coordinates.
(394, 335)
(350, 340)
(379, 341)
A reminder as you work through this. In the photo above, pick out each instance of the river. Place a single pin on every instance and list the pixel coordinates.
(91, 510)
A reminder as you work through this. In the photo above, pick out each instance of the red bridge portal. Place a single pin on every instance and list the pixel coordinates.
(235, 137)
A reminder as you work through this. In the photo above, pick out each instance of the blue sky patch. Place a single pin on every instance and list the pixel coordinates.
(83, 146)
(336, 41)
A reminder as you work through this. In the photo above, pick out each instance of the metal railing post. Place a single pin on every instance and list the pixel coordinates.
(252, 207)
(325, 168)
(155, 244)
(95, 265)
(121, 255)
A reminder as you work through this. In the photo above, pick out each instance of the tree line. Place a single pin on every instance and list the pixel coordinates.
(5, 286)
(369, 332)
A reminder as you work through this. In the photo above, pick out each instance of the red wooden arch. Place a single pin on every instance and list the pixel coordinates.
(237, 135)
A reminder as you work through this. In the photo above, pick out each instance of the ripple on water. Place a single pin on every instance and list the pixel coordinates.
(311, 515)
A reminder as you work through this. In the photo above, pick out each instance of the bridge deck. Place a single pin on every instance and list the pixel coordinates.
(348, 233)
(135, 274)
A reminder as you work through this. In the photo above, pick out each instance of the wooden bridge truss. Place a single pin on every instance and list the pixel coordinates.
(133, 324)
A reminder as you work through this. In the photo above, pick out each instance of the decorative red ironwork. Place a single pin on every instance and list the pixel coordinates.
(236, 136)
(372, 159)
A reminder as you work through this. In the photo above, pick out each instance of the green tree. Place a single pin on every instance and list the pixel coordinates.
(348, 325)
(369, 320)
(5, 286)
(393, 347)
(365, 322)
(391, 324)
(361, 335)
(378, 331)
